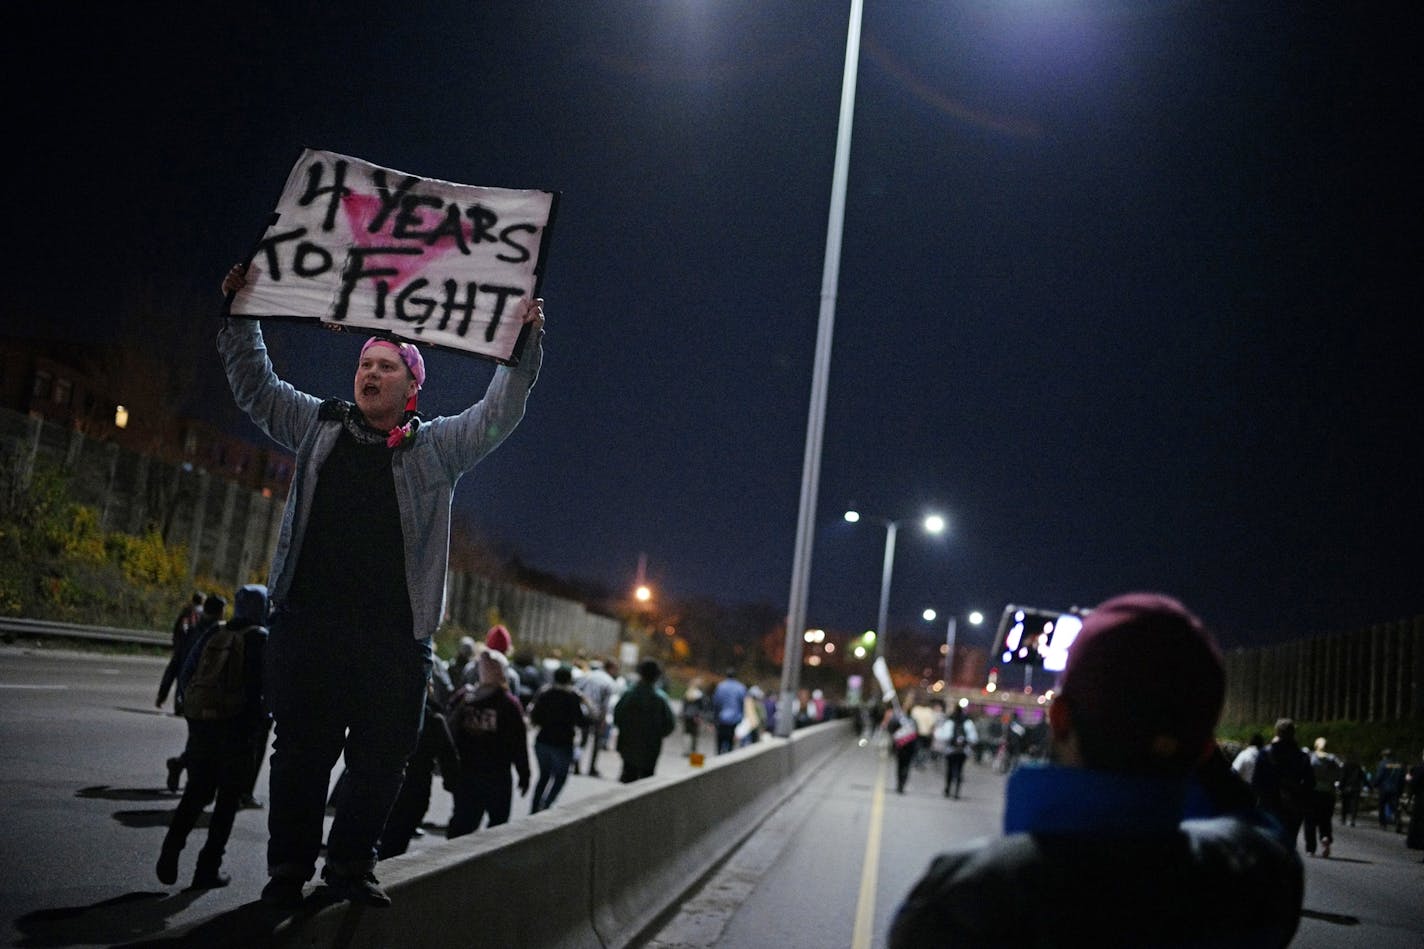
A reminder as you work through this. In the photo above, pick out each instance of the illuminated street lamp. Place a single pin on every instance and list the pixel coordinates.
(975, 618)
(864, 644)
(121, 417)
(641, 591)
(933, 524)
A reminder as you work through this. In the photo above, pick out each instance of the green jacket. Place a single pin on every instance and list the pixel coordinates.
(644, 718)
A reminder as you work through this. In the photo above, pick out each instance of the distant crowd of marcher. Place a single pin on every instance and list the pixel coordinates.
(1302, 787)
(481, 706)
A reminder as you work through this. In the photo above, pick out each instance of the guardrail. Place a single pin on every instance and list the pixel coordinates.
(11, 627)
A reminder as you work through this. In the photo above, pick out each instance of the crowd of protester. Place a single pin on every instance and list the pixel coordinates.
(489, 705)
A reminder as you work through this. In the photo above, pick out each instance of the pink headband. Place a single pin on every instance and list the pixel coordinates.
(409, 355)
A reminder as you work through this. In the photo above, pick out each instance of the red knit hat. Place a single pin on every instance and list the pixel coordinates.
(1144, 685)
(498, 639)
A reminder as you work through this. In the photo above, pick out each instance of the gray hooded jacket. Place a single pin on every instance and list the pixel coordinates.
(425, 472)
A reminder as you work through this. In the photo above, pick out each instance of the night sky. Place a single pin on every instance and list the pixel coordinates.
(1127, 289)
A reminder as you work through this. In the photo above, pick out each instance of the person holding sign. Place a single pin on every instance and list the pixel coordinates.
(358, 585)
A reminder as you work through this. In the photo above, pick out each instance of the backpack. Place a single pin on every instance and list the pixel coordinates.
(216, 688)
(950, 735)
(1327, 769)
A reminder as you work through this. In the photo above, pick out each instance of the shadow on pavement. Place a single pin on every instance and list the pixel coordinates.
(1340, 919)
(123, 917)
(139, 818)
(106, 792)
(249, 926)
(153, 818)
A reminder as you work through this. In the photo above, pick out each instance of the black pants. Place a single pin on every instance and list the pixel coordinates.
(593, 730)
(1317, 821)
(954, 771)
(356, 690)
(633, 772)
(726, 737)
(480, 793)
(1349, 806)
(904, 758)
(217, 769)
(408, 811)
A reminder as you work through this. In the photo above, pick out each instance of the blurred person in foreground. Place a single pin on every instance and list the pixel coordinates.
(1136, 833)
(357, 585)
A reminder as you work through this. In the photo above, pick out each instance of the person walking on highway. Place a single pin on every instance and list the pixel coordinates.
(499, 640)
(184, 626)
(694, 710)
(1136, 834)
(1326, 769)
(358, 583)
(488, 724)
(559, 712)
(596, 687)
(644, 718)
(1283, 781)
(927, 716)
(219, 753)
(904, 740)
(1351, 786)
(728, 700)
(1244, 764)
(955, 736)
(186, 631)
(1388, 782)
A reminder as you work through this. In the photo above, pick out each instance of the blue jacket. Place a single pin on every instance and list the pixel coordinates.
(426, 471)
(727, 701)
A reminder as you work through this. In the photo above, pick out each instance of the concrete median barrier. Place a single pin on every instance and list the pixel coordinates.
(593, 874)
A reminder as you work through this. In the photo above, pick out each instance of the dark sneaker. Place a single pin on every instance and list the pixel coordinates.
(211, 881)
(175, 771)
(283, 892)
(167, 868)
(361, 889)
(249, 803)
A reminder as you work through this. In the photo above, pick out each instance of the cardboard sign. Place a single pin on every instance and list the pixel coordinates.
(415, 259)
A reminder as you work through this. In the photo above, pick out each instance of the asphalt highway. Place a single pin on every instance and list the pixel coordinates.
(82, 752)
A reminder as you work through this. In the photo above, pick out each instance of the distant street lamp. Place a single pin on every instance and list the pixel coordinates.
(641, 591)
(121, 417)
(976, 617)
(933, 524)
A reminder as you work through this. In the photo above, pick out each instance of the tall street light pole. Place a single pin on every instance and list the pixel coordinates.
(881, 618)
(934, 524)
(950, 635)
(815, 423)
